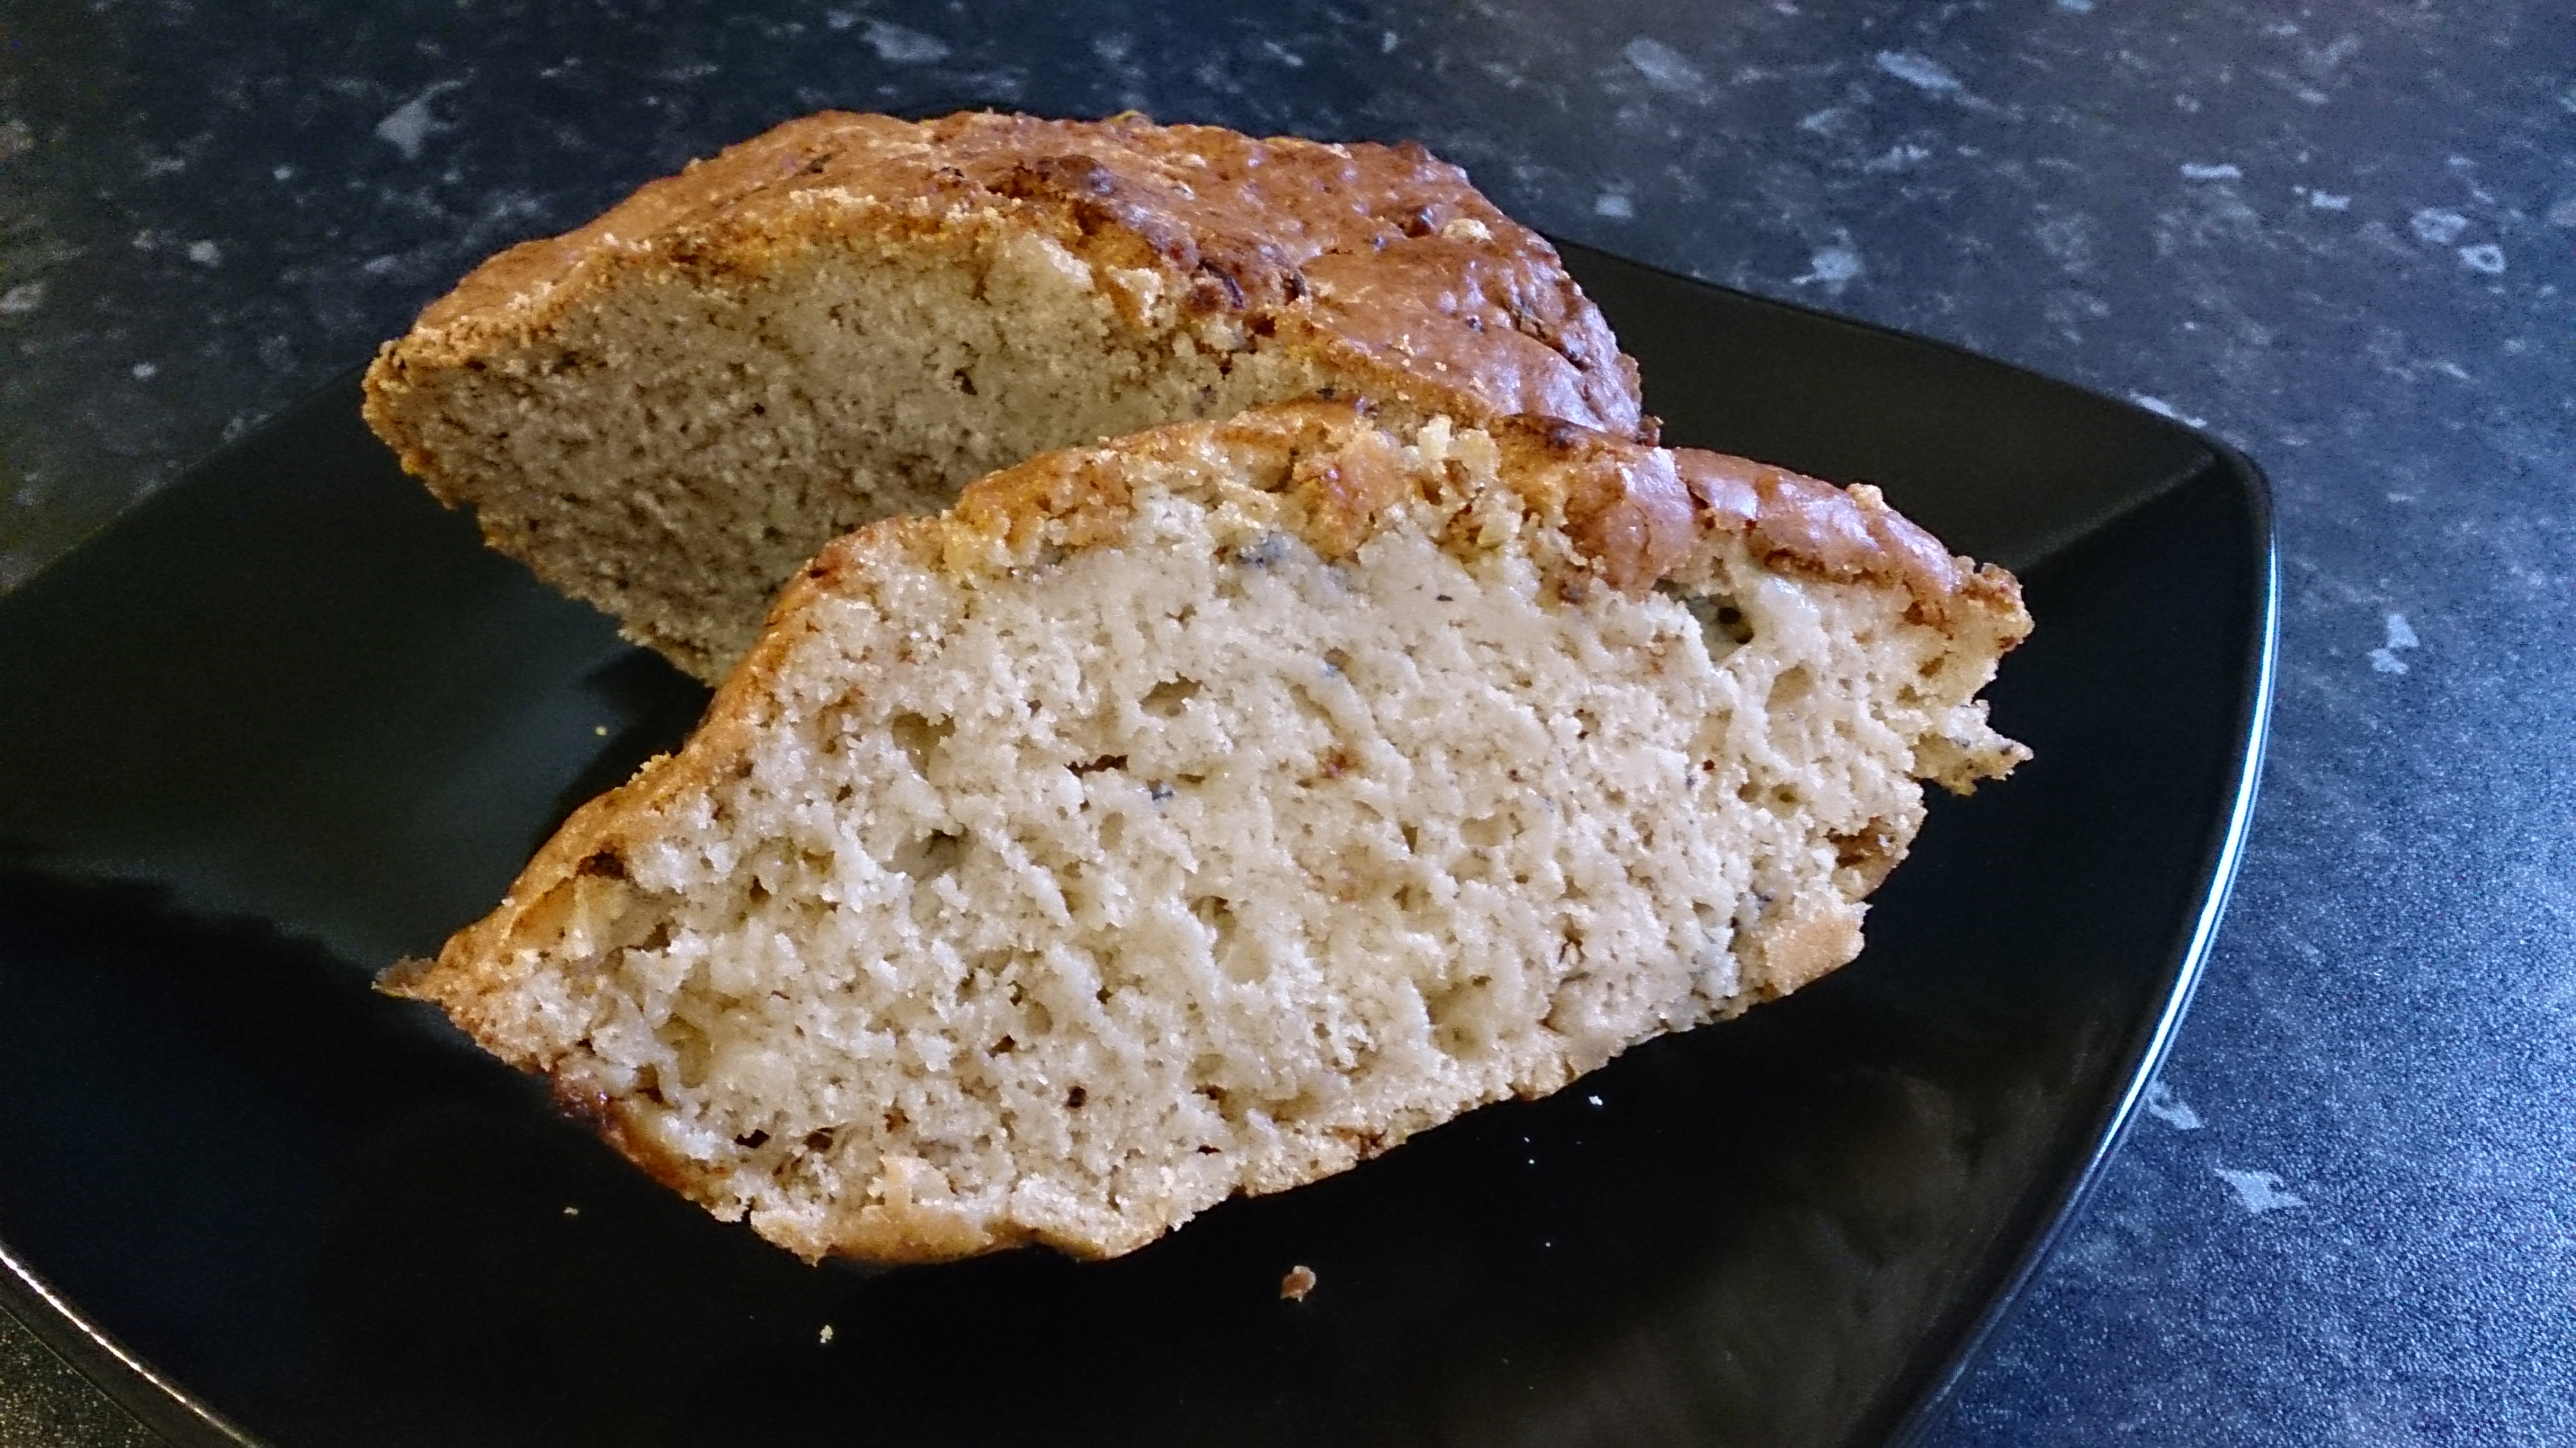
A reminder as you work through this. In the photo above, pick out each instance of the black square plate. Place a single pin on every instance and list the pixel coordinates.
(288, 722)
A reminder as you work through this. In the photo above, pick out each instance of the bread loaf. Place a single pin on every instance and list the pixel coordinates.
(1204, 812)
(667, 411)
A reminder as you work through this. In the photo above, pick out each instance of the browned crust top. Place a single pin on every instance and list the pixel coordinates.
(1634, 513)
(1806, 525)
(1382, 256)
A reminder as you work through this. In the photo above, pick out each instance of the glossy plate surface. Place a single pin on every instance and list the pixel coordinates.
(288, 722)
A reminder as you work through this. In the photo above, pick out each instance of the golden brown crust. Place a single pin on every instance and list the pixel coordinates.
(1624, 506)
(1382, 261)
(1813, 527)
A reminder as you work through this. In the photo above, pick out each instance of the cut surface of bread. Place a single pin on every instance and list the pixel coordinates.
(666, 412)
(1206, 812)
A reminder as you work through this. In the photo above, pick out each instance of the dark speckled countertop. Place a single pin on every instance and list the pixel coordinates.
(2340, 234)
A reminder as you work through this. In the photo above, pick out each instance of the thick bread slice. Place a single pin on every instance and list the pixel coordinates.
(666, 412)
(1207, 811)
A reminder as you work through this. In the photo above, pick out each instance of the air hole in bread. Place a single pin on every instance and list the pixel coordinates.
(927, 857)
(688, 1046)
(1166, 699)
(1722, 625)
(1235, 956)
(1461, 1019)
(919, 738)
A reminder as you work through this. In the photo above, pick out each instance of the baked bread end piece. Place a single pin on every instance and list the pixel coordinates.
(666, 412)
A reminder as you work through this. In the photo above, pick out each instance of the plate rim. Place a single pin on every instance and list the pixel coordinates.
(167, 1411)
(2223, 858)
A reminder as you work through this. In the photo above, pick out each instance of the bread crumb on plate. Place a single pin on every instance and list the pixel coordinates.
(1299, 1281)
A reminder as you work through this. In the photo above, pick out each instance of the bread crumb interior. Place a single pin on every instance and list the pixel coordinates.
(1060, 905)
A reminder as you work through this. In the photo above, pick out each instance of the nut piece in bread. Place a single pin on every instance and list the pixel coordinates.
(1204, 812)
(666, 412)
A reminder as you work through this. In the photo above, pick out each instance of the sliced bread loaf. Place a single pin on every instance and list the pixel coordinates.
(666, 412)
(1205, 812)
